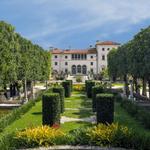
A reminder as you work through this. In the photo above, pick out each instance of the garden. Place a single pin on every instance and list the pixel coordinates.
(65, 115)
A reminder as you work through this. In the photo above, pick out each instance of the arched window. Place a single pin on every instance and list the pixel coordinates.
(79, 69)
(84, 69)
(73, 69)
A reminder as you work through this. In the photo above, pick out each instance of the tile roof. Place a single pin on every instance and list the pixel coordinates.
(107, 43)
(74, 51)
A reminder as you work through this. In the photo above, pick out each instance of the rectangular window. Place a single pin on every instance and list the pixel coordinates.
(103, 57)
(73, 56)
(78, 56)
(92, 70)
(91, 63)
(66, 63)
(82, 56)
(66, 57)
(103, 49)
(55, 56)
(66, 70)
(91, 57)
(56, 63)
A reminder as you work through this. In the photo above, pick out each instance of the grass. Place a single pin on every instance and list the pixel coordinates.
(122, 117)
(34, 116)
(117, 84)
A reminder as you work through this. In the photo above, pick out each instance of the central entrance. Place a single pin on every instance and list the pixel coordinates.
(79, 69)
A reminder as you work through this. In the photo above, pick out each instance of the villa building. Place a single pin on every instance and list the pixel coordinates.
(81, 62)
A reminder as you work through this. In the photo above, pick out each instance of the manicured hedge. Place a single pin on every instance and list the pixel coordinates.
(60, 90)
(89, 85)
(140, 114)
(67, 88)
(105, 108)
(16, 113)
(71, 84)
(96, 90)
(51, 109)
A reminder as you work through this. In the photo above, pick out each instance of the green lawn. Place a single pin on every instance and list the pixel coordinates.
(34, 116)
(117, 84)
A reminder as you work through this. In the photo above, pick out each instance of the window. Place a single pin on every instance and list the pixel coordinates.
(82, 56)
(73, 69)
(103, 49)
(103, 57)
(66, 57)
(92, 70)
(66, 70)
(108, 49)
(55, 63)
(84, 69)
(66, 63)
(72, 56)
(91, 63)
(55, 56)
(79, 68)
(91, 56)
(76, 56)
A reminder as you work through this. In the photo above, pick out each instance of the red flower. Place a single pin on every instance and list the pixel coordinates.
(55, 126)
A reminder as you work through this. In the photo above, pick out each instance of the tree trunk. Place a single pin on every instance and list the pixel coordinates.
(46, 84)
(32, 90)
(14, 89)
(144, 87)
(5, 91)
(149, 87)
(18, 90)
(135, 84)
(11, 90)
(25, 90)
(126, 88)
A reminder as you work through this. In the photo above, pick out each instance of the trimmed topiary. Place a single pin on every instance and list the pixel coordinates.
(67, 88)
(71, 84)
(60, 90)
(96, 90)
(51, 109)
(105, 108)
(89, 85)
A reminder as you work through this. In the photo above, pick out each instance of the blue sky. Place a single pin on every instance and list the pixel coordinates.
(76, 23)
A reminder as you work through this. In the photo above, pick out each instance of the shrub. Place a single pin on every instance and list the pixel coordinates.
(105, 108)
(96, 90)
(7, 141)
(60, 90)
(16, 113)
(79, 87)
(78, 79)
(80, 137)
(89, 85)
(137, 112)
(67, 88)
(108, 134)
(40, 136)
(71, 84)
(51, 109)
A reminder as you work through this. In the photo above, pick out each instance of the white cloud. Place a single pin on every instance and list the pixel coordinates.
(67, 17)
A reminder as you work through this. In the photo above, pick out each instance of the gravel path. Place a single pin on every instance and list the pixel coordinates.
(81, 108)
(91, 119)
(69, 147)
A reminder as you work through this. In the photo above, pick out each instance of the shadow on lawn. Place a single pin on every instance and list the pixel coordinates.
(85, 104)
(37, 113)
